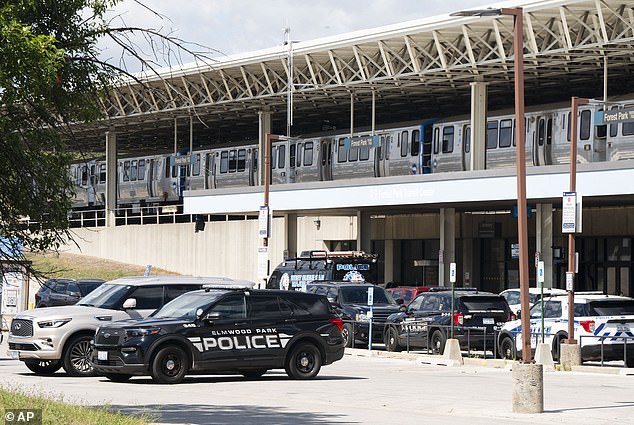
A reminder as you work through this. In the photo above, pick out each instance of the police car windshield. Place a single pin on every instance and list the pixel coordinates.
(612, 308)
(359, 295)
(186, 306)
(552, 310)
(105, 296)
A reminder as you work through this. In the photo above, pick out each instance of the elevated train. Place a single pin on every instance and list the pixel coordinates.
(429, 146)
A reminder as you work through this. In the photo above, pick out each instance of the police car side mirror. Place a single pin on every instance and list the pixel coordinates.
(402, 309)
(518, 315)
(212, 316)
(129, 304)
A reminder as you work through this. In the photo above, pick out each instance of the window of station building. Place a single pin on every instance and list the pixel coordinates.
(126, 171)
(195, 165)
(447, 139)
(404, 143)
(308, 153)
(506, 133)
(614, 128)
(584, 130)
(242, 159)
(342, 154)
(415, 142)
(141, 173)
(466, 138)
(224, 161)
(233, 161)
(281, 156)
(133, 170)
(102, 173)
(492, 135)
(292, 153)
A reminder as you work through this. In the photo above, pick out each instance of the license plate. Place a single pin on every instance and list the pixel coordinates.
(102, 355)
(488, 321)
(15, 355)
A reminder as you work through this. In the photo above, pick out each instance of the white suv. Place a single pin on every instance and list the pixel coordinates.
(46, 339)
(604, 326)
(512, 296)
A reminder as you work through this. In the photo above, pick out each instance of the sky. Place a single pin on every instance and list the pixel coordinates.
(230, 27)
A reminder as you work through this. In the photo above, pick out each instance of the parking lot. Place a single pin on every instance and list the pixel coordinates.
(358, 389)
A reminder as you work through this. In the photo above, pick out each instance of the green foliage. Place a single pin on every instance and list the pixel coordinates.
(50, 77)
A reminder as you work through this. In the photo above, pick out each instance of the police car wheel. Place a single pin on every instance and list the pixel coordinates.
(629, 362)
(507, 349)
(557, 345)
(118, 377)
(43, 367)
(347, 335)
(304, 362)
(437, 342)
(251, 374)
(391, 340)
(170, 365)
(77, 356)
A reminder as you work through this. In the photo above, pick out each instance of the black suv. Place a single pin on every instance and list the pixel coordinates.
(351, 300)
(223, 330)
(427, 321)
(62, 291)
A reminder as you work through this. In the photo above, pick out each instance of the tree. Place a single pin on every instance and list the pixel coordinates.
(51, 76)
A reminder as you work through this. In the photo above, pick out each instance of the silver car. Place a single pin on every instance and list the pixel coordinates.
(46, 339)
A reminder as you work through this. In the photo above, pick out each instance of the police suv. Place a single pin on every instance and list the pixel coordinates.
(604, 327)
(223, 330)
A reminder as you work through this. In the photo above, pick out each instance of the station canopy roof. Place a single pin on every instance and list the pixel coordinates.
(418, 69)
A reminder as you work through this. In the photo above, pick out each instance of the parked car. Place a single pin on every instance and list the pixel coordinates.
(62, 291)
(602, 322)
(427, 321)
(351, 301)
(406, 293)
(229, 330)
(46, 339)
(512, 296)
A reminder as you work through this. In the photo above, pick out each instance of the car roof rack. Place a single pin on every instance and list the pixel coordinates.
(236, 287)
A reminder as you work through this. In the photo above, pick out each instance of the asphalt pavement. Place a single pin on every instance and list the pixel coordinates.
(359, 389)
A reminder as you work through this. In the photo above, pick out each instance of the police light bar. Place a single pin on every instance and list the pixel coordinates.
(236, 286)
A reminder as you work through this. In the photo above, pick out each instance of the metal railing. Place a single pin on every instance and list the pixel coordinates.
(615, 341)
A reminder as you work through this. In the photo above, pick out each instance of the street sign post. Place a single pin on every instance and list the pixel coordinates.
(370, 315)
(452, 279)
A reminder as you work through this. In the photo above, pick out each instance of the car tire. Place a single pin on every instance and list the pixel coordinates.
(437, 342)
(629, 362)
(391, 340)
(253, 374)
(347, 334)
(304, 361)
(44, 367)
(556, 349)
(170, 365)
(118, 377)
(507, 349)
(77, 356)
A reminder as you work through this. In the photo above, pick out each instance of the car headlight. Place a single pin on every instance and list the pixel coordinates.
(362, 317)
(141, 332)
(53, 323)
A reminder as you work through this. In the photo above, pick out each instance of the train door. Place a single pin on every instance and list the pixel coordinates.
(252, 166)
(325, 160)
(426, 131)
(542, 140)
(466, 147)
(151, 188)
(599, 153)
(209, 171)
(292, 158)
(383, 157)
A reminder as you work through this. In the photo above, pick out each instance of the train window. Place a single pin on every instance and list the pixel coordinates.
(126, 171)
(273, 156)
(466, 138)
(436, 137)
(242, 159)
(141, 172)
(308, 153)
(233, 161)
(167, 167)
(447, 139)
(541, 130)
(506, 133)
(584, 130)
(102, 173)
(353, 153)
(133, 170)
(492, 134)
(292, 154)
(254, 160)
(281, 159)
(568, 126)
(614, 128)
(549, 132)
(404, 143)
(342, 155)
(364, 153)
(299, 154)
(195, 166)
(84, 175)
(628, 128)
(415, 142)
(224, 161)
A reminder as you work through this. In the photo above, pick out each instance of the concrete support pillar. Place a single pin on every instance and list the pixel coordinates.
(569, 355)
(478, 125)
(544, 240)
(388, 259)
(528, 388)
(111, 178)
(364, 232)
(290, 249)
(264, 120)
(447, 252)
